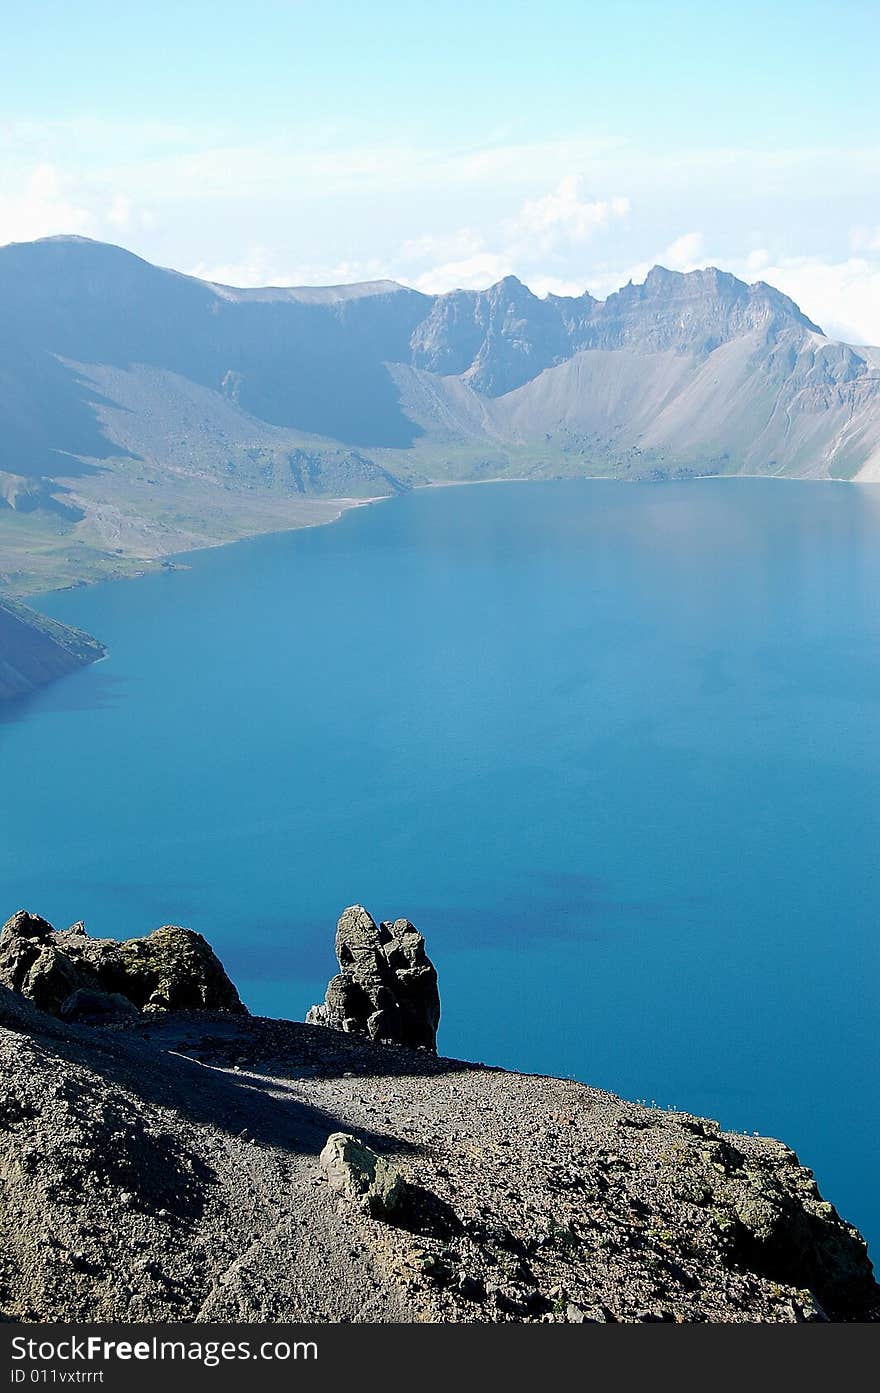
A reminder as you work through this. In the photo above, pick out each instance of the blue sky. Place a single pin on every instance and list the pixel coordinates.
(573, 144)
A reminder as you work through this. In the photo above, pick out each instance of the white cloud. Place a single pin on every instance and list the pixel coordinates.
(121, 212)
(555, 285)
(684, 254)
(757, 260)
(463, 243)
(202, 160)
(42, 206)
(563, 216)
(866, 239)
(256, 268)
(261, 267)
(542, 228)
(841, 296)
(42, 200)
(465, 258)
(473, 273)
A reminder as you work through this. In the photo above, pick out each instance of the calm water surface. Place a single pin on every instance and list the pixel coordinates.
(614, 749)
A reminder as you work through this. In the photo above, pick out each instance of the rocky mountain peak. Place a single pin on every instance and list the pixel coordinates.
(496, 339)
(691, 311)
(500, 338)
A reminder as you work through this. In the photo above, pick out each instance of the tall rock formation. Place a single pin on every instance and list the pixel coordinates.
(386, 987)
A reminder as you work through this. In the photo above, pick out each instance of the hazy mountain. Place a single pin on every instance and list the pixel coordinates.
(696, 371)
(501, 338)
(144, 413)
(34, 650)
(105, 357)
(73, 309)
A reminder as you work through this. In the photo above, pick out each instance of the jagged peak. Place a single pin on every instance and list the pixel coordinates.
(507, 285)
(711, 279)
(713, 275)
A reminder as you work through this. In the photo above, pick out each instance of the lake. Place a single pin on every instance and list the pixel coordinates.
(613, 748)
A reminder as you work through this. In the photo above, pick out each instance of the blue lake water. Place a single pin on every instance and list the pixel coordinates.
(614, 749)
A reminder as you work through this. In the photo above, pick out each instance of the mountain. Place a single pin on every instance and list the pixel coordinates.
(96, 342)
(34, 650)
(144, 412)
(88, 327)
(695, 372)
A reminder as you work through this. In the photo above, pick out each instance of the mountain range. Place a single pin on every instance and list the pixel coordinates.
(144, 413)
(366, 388)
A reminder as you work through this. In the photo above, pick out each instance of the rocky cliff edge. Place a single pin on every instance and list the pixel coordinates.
(206, 1165)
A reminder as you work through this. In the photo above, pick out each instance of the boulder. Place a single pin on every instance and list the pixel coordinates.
(386, 987)
(175, 969)
(65, 972)
(356, 1172)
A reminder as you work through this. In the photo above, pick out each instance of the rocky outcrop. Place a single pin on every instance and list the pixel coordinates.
(71, 975)
(386, 987)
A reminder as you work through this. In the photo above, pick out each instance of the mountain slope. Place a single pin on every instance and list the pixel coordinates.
(35, 650)
(797, 405)
(294, 361)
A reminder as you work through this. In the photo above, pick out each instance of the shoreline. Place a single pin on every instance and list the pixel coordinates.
(174, 561)
(615, 479)
(168, 565)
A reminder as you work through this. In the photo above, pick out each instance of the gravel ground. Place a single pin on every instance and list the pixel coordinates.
(169, 1172)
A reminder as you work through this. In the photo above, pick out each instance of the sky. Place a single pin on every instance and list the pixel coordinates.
(448, 144)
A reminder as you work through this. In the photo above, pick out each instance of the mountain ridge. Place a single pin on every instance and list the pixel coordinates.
(316, 360)
(145, 412)
(657, 274)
